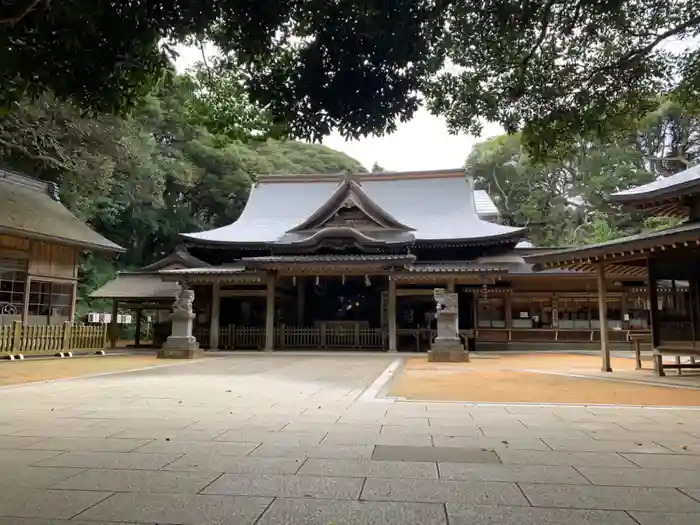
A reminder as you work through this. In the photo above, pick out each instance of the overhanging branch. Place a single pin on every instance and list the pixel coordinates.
(11, 20)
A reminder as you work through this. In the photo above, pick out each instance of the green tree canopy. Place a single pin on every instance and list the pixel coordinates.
(144, 180)
(566, 200)
(554, 69)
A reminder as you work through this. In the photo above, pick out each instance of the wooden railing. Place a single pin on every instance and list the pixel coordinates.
(233, 337)
(328, 337)
(544, 335)
(16, 338)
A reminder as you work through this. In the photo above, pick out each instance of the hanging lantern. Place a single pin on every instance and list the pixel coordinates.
(367, 281)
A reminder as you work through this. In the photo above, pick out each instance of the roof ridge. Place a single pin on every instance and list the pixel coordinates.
(32, 183)
(360, 176)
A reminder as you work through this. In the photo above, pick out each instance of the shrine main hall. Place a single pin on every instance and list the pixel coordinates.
(351, 261)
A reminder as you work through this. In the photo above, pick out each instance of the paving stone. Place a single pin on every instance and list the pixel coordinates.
(139, 481)
(433, 491)
(288, 511)
(609, 498)
(556, 457)
(408, 438)
(75, 432)
(318, 451)
(110, 460)
(184, 509)
(399, 431)
(679, 447)
(499, 515)
(22, 502)
(514, 473)
(17, 457)
(372, 469)
(692, 492)
(36, 477)
(511, 432)
(433, 454)
(666, 518)
(594, 445)
(626, 435)
(146, 423)
(286, 486)
(171, 434)
(197, 447)
(665, 461)
(490, 443)
(39, 521)
(242, 465)
(279, 438)
(655, 428)
(88, 444)
(12, 442)
(641, 477)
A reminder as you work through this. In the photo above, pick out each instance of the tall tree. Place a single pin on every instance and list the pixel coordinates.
(555, 69)
(144, 180)
(566, 200)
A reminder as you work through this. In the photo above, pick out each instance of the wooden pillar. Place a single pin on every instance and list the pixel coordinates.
(692, 307)
(113, 326)
(508, 311)
(73, 300)
(391, 324)
(270, 313)
(654, 317)
(25, 306)
(215, 315)
(137, 332)
(301, 300)
(603, 308)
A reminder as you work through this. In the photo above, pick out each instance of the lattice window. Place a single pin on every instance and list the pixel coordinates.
(491, 312)
(50, 299)
(13, 279)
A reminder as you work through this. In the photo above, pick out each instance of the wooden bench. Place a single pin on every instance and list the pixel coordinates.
(677, 349)
(636, 338)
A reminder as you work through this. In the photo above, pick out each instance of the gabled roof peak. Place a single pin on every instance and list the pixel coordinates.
(349, 194)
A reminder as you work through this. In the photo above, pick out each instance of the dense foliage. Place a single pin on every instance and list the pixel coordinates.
(554, 69)
(142, 181)
(565, 201)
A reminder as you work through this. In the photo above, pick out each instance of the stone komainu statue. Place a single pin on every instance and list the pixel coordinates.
(183, 300)
(445, 303)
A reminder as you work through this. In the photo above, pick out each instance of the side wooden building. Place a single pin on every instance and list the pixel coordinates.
(40, 244)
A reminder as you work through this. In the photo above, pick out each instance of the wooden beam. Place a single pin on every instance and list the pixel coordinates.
(603, 308)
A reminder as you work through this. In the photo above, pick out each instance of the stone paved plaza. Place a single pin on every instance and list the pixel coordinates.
(308, 439)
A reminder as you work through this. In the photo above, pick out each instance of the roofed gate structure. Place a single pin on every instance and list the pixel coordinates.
(351, 261)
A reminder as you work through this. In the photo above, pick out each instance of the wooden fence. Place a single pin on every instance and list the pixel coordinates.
(17, 338)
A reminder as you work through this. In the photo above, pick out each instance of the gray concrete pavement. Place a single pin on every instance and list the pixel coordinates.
(302, 439)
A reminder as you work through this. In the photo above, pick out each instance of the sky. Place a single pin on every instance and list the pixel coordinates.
(420, 144)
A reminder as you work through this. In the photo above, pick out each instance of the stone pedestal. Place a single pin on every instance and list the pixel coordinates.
(181, 344)
(447, 346)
